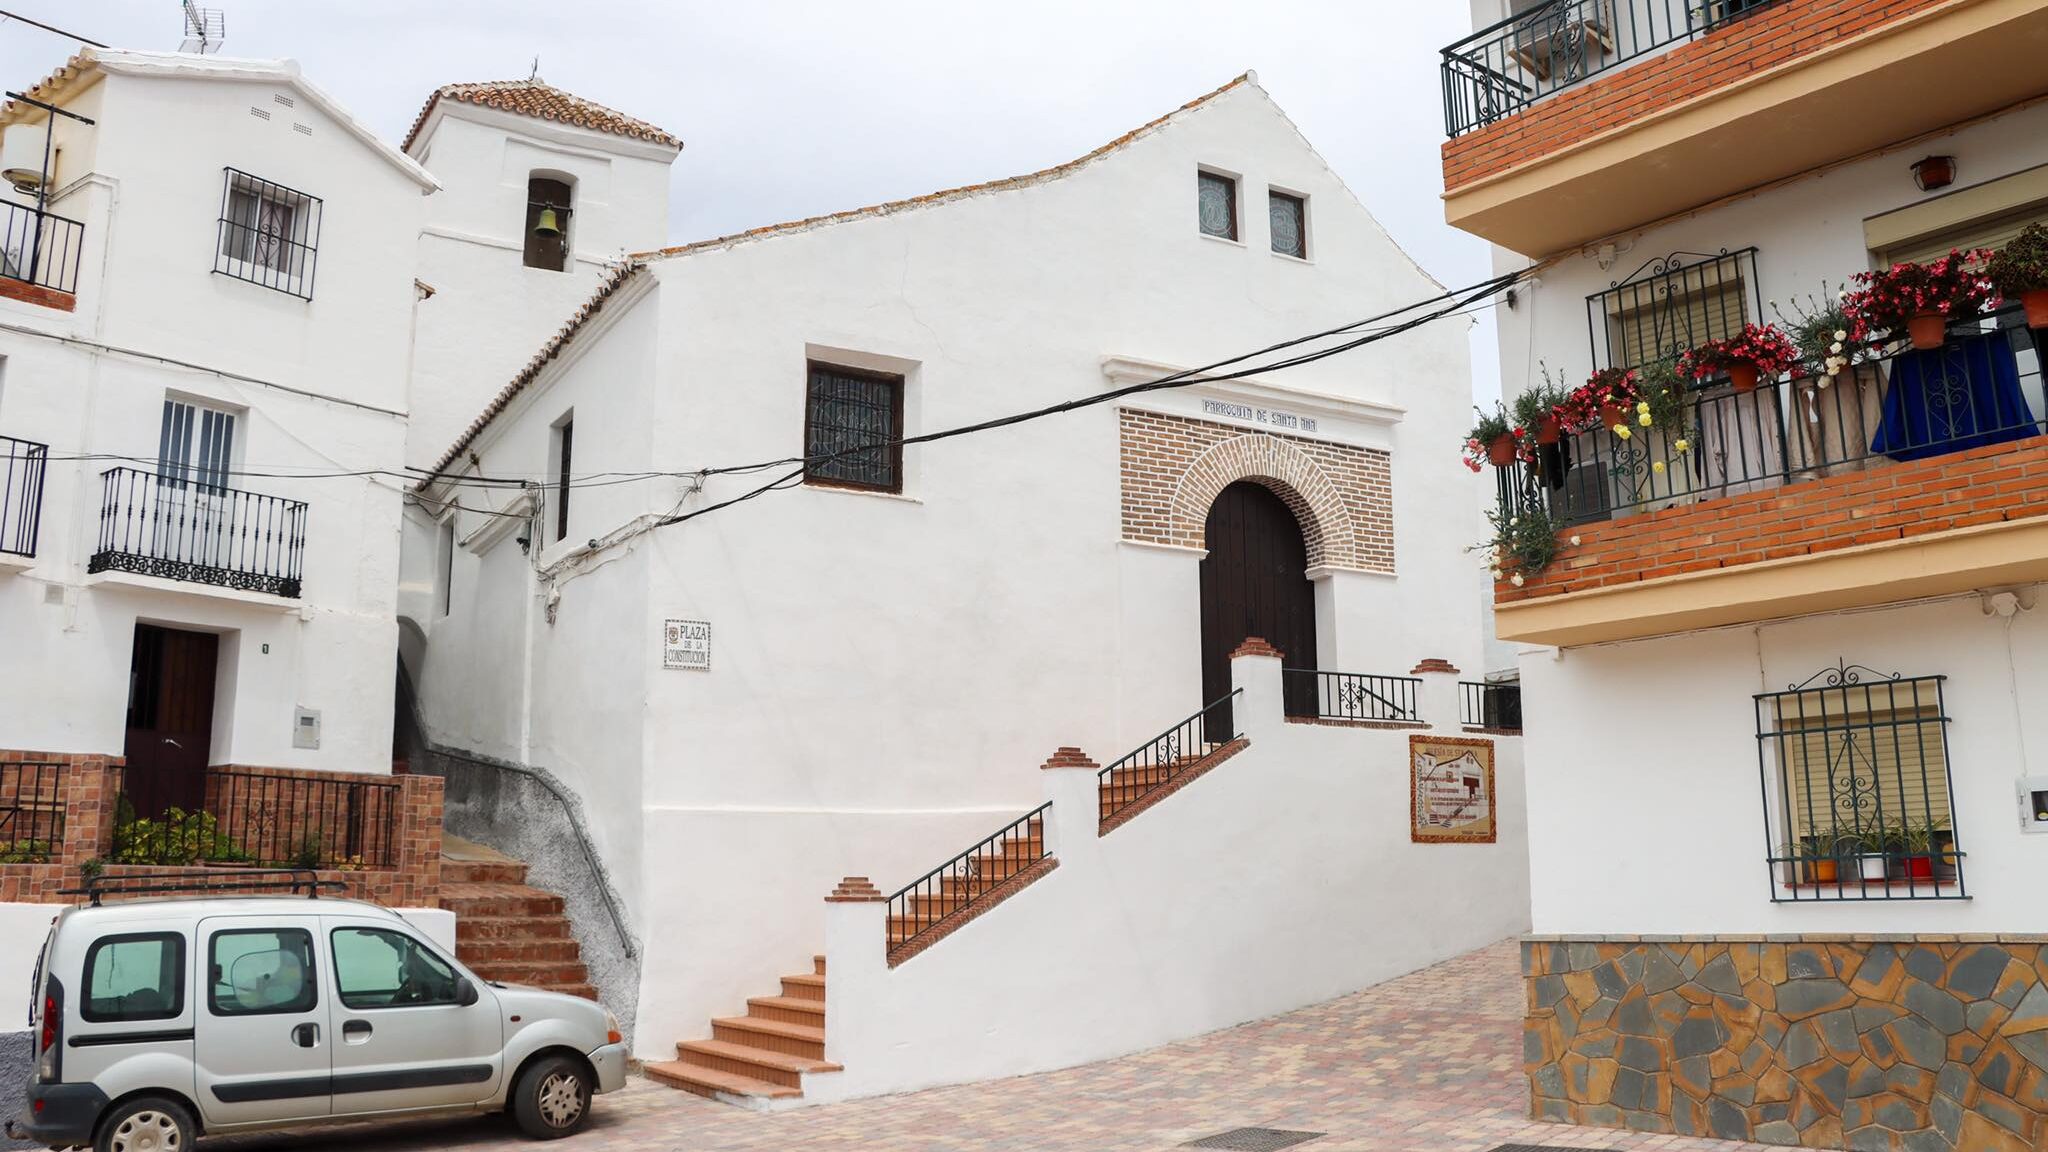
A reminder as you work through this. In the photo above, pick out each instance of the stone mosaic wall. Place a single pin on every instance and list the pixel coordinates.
(1917, 1043)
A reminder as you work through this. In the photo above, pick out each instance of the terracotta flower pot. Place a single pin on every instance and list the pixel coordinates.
(1743, 376)
(2036, 304)
(1823, 871)
(1500, 452)
(1612, 414)
(1928, 331)
(1550, 431)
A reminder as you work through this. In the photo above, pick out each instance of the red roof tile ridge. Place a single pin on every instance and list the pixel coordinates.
(542, 101)
(930, 198)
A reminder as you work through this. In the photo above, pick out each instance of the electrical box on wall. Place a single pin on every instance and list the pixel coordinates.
(306, 728)
(2034, 803)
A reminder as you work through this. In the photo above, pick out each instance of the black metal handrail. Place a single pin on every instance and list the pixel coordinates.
(249, 817)
(39, 247)
(22, 466)
(184, 528)
(1504, 68)
(946, 892)
(1155, 763)
(1487, 705)
(1354, 695)
(1981, 388)
(31, 811)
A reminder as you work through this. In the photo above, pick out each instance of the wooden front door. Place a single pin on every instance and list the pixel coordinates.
(170, 718)
(1255, 583)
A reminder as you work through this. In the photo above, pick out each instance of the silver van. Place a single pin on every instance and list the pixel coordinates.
(156, 1020)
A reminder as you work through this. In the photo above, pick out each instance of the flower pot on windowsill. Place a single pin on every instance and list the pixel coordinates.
(1872, 866)
(1823, 871)
(1743, 376)
(1928, 331)
(1500, 452)
(2036, 304)
(1916, 867)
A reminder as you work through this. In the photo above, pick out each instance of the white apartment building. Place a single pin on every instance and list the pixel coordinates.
(206, 345)
(1781, 682)
(861, 673)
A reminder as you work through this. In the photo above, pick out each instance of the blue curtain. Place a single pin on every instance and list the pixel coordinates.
(1963, 395)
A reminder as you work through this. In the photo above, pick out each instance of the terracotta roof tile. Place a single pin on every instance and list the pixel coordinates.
(47, 88)
(542, 102)
(553, 348)
(930, 198)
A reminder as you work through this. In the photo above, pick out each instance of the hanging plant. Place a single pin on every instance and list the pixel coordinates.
(1820, 329)
(1919, 300)
(1603, 401)
(1664, 404)
(1523, 545)
(1759, 351)
(1494, 439)
(1537, 410)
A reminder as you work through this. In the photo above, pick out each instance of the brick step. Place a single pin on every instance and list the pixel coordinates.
(754, 1063)
(538, 974)
(818, 965)
(773, 1035)
(478, 929)
(787, 1009)
(986, 877)
(804, 987)
(499, 900)
(481, 953)
(482, 872)
(710, 1082)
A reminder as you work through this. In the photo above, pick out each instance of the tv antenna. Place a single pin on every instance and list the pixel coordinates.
(205, 28)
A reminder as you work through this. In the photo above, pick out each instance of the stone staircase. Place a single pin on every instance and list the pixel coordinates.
(759, 1057)
(507, 931)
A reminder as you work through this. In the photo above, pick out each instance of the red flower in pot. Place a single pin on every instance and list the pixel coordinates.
(1758, 352)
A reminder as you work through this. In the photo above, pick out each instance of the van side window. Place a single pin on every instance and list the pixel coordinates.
(135, 977)
(374, 968)
(254, 972)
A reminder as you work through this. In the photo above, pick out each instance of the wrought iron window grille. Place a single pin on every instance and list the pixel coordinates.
(268, 234)
(22, 466)
(1858, 802)
(853, 427)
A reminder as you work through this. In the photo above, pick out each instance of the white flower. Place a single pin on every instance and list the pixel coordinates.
(1836, 347)
(1841, 333)
(1575, 541)
(1496, 573)
(1516, 579)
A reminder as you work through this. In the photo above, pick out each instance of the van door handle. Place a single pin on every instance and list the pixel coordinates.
(306, 1035)
(355, 1031)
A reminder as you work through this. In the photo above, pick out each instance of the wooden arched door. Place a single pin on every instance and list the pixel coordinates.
(1255, 583)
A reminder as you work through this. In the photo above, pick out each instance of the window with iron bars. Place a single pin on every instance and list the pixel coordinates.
(1858, 803)
(851, 420)
(269, 234)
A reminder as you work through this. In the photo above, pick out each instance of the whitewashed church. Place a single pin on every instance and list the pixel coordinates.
(853, 679)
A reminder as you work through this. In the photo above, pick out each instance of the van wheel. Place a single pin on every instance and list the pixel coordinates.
(552, 1098)
(147, 1124)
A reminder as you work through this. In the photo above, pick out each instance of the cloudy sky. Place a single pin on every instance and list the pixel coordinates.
(791, 108)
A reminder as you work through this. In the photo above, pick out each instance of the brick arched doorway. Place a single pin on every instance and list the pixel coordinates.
(1254, 582)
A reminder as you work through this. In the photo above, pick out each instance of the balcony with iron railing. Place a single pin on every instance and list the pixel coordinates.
(182, 527)
(1909, 474)
(39, 255)
(23, 464)
(1574, 120)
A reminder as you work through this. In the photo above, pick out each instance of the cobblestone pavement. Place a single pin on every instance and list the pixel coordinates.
(1430, 1062)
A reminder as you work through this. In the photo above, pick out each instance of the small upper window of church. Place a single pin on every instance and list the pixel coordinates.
(549, 203)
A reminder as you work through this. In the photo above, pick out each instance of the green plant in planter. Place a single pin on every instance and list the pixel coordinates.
(1536, 409)
(91, 867)
(308, 854)
(1493, 439)
(1820, 328)
(24, 852)
(1523, 545)
(178, 837)
(2020, 272)
(1666, 403)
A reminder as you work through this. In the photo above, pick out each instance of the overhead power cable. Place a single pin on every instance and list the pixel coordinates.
(49, 28)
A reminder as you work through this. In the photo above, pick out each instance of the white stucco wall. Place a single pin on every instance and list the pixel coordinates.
(318, 386)
(889, 670)
(1284, 877)
(1662, 802)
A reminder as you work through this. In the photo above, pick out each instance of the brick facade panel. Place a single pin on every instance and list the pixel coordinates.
(1173, 467)
(1985, 485)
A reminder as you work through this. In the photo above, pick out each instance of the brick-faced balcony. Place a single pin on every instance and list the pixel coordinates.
(1922, 474)
(1579, 119)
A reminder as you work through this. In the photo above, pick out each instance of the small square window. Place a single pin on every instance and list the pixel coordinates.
(852, 419)
(1289, 217)
(269, 234)
(1218, 205)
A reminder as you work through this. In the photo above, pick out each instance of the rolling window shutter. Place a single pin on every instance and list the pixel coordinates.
(1692, 315)
(1977, 234)
(1892, 757)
